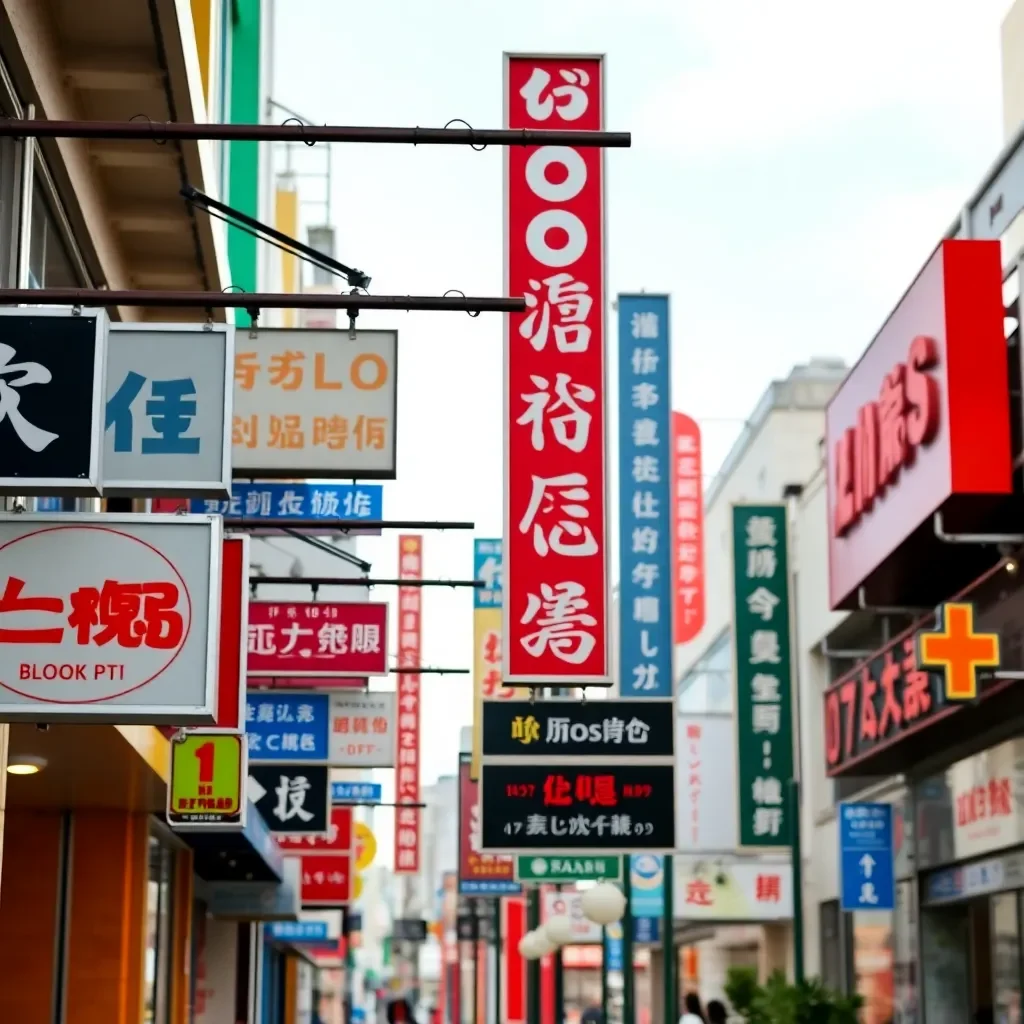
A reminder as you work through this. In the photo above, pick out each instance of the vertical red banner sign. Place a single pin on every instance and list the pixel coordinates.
(407, 761)
(513, 966)
(557, 580)
(688, 524)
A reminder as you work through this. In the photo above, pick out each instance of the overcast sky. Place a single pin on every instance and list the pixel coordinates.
(793, 163)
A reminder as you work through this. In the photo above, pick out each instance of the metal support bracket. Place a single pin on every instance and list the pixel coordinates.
(974, 538)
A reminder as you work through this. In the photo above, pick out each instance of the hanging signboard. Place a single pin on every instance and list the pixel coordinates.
(326, 879)
(338, 838)
(363, 733)
(208, 778)
(317, 638)
(286, 727)
(167, 400)
(297, 504)
(479, 873)
(539, 868)
(109, 617)
(315, 404)
(567, 809)
(557, 584)
(688, 547)
(292, 798)
(234, 612)
(52, 365)
(569, 730)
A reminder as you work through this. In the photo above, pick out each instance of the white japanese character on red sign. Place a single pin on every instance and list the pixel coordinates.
(571, 490)
(542, 100)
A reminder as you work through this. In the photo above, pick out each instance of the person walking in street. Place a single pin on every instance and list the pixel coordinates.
(692, 1014)
(717, 1013)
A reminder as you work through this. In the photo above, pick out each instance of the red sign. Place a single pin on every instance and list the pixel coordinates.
(473, 865)
(688, 521)
(326, 879)
(410, 638)
(556, 586)
(513, 966)
(337, 840)
(317, 638)
(923, 416)
(322, 683)
(234, 605)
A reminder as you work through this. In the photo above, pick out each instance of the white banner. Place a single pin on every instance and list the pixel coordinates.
(362, 730)
(706, 783)
(750, 890)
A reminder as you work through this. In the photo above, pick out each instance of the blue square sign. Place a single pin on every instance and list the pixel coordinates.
(866, 857)
(287, 727)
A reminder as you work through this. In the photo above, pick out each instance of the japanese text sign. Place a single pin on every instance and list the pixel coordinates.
(866, 857)
(287, 726)
(488, 566)
(645, 497)
(168, 402)
(710, 890)
(337, 840)
(557, 578)
(51, 400)
(573, 809)
(317, 638)
(706, 774)
(363, 730)
(315, 404)
(764, 687)
(292, 798)
(107, 617)
(480, 874)
(407, 770)
(568, 869)
(356, 792)
(207, 787)
(922, 417)
(326, 879)
(688, 528)
(569, 728)
(298, 504)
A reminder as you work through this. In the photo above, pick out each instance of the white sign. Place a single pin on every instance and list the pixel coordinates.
(168, 398)
(362, 730)
(706, 816)
(987, 793)
(571, 905)
(315, 403)
(716, 890)
(109, 617)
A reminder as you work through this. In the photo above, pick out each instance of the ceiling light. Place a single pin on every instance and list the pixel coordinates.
(25, 764)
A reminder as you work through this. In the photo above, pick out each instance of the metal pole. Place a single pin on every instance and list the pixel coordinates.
(533, 1015)
(628, 1008)
(798, 892)
(28, 168)
(604, 975)
(497, 960)
(668, 942)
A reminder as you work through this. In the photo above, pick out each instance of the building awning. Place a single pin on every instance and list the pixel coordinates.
(249, 855)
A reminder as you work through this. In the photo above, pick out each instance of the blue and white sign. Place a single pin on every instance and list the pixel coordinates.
(647, 890)
(49, 505)
(487, 566)
(357, 1015)
(613, 946)
(866, 857)
(299, 931)
(298, 504)
(287, 727)
(356, 792)
(645, 495)
(646, 930)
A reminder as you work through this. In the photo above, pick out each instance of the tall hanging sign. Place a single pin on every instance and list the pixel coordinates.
(557, 578)
(688, 540)
(407, 770)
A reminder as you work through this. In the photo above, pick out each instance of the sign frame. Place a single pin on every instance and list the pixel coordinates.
(853, 873)
(228, 823)
(182, 488)
(90, 486)
(291, 769)
(129, 713)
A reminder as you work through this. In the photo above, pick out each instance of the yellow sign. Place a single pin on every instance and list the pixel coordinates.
(366, 849)
(207, 788)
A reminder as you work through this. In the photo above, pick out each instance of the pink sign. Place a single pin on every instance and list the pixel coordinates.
(317, 639)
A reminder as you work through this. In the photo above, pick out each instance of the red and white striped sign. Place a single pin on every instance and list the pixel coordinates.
(407, 761)
(557, 578)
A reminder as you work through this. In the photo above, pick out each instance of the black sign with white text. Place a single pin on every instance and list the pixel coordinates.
(597, 808)
(571, 728)
(292, 798)
(409, 929)
(51, 395)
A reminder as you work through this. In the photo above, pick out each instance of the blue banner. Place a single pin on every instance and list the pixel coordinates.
(487, 566)
(298, 931)
(645, 496)
(613, 946)
(647, 885)
(287, 727)
(867, 872)
(356, 792)
(297, 503)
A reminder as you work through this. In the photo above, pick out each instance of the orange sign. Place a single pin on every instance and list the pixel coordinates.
(958, 650)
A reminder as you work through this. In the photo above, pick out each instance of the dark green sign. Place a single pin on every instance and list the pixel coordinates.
(764, 684)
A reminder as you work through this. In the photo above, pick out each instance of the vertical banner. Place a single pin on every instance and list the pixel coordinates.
(557, 578)
(407, 769)
(688, 543)
(513, 966)
(764, 701)
(645, 497)
(480, 874)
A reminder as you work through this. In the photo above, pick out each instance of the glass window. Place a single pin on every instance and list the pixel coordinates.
(708, 684)
(50, 265)
(159, 917)
(1006, 958)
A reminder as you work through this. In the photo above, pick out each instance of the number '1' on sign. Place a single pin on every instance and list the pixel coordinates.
(208, 772)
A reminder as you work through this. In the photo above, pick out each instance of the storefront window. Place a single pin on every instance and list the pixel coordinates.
(50, 266)
(159, 903)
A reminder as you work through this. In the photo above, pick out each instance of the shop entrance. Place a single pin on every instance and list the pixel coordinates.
(971, 961)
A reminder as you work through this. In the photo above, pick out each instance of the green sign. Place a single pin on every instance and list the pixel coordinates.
(208, 775)
(568, 869)
(764, 684)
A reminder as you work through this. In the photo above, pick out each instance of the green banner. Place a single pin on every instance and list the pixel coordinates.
(764, 684)
(568, 869)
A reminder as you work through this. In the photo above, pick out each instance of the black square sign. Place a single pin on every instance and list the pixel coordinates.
(293, 799)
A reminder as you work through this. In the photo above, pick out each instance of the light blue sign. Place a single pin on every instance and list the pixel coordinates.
(356, 792)
(297, 503)
(487, 566)
(866, 857)
(287, 726)
(613, 946)
(646, 929)
(645, 495)
(357, 1015)
(647, 885)
(169, 405)
(298, 931)
(488, 888)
